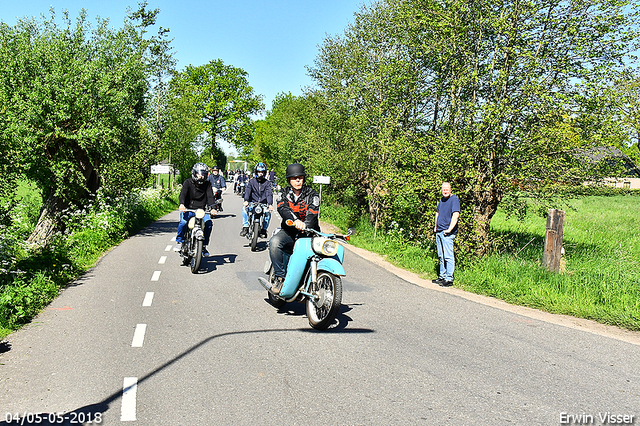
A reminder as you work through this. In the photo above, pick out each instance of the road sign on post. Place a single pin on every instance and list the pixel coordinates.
(322, 180)
(160, 169)
(326, 180)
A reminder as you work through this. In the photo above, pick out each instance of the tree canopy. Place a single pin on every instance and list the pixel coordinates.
(489, 95)
(73, 98)
(223, 100)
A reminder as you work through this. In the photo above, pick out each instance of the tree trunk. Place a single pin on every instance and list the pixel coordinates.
(49, 221)
(486, 202)
(214, 131)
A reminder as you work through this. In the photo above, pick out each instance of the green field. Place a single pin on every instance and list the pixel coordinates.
(600, 276)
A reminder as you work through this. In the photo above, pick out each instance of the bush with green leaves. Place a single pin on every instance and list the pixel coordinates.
(31, 278)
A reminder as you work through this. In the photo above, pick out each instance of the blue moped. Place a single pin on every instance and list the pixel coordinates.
(313, 276)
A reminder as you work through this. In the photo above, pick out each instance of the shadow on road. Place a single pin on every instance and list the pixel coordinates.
(159, 227)
(260, 246)
(211, 263)
(223, 216)
(90, 411)
(300, 309)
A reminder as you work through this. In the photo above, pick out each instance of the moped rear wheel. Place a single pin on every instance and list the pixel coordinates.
(256, 234)
(197, 257)
(322, 311)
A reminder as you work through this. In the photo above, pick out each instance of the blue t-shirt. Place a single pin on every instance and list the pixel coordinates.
(445, 210)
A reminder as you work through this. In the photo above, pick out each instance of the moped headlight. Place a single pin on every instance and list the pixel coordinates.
(199, 213)
(258, 209)
(325, 246)
(192, 222)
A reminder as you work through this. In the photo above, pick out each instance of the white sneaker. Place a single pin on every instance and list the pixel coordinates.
(177, 249)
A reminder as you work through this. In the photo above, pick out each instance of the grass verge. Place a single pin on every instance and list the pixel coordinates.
(600, 278)
(30, 280)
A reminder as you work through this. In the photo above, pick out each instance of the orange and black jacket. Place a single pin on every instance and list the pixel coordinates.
(306, 208)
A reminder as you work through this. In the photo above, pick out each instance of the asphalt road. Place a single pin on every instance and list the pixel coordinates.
(208, 349)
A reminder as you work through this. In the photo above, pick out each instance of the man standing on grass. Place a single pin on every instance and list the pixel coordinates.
(446, 229)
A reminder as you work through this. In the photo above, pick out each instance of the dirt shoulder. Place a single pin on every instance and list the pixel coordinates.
(589, 326)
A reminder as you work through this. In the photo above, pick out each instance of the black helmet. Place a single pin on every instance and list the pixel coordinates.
(215, 168)
(295, 169)
(200, 172)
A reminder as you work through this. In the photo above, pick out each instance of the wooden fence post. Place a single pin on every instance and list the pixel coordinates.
(553, 240)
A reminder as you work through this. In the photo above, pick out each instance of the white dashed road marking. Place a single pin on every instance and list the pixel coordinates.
(130, 384)
(129, 389)
(138, 335)
(148, 299)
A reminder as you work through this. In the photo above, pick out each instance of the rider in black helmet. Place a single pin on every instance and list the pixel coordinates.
(301, 204)
(258, 190)
(196, 193)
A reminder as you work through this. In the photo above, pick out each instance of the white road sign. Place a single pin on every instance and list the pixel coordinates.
(322, 179)
(159, 169)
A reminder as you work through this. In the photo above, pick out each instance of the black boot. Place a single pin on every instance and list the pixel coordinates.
(244, 231)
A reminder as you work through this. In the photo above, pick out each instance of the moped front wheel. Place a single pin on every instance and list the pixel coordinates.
(256, 234)
(197, 257)
(323, 308)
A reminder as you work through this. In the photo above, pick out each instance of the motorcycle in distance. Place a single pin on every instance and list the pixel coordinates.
(313, 276)
(241, 186)
(191, 250)
(217, 195)
(256, 220)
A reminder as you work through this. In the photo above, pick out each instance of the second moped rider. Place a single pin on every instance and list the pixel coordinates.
(196, 193)
(258, 190)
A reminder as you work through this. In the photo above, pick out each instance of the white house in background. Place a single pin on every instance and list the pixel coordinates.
(631, 178)
(625, 182)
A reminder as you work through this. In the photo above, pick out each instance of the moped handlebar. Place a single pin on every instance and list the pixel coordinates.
(345, 237)
(207, 209)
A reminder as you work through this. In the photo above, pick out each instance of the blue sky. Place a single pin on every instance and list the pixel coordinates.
(272, 40)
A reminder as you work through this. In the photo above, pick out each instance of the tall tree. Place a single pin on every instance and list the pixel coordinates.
(223, 100)
(482, 94)
(625, 98)
(73, 98)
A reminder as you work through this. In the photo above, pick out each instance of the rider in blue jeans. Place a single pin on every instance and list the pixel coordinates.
(196, 193)
(446, 229)
(258, 190)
